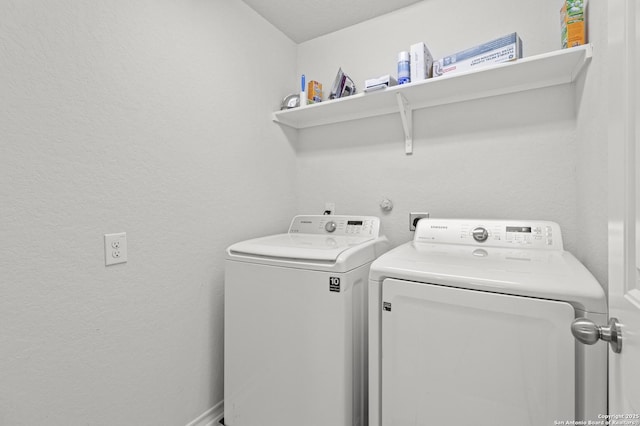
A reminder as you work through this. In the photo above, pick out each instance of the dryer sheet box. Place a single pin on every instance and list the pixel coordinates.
(503, 49)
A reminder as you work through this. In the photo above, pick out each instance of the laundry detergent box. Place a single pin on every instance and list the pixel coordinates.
(503, 49)
(573, 21)
(314, 92)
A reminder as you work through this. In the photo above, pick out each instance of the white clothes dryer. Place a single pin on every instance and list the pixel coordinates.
(470, 323)
(295, 323)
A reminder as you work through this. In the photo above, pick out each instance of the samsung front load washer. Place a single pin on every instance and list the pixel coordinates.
(295, 324)
(470, 324)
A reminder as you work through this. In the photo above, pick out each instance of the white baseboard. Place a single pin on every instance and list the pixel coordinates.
(211, 417)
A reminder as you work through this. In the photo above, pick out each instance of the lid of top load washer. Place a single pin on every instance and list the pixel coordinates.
(312, 238)
(522, 258)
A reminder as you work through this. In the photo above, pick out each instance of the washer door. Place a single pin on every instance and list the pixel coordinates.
(453, 357)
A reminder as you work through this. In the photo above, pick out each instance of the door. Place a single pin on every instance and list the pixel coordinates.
(453, 356)
(624, 206)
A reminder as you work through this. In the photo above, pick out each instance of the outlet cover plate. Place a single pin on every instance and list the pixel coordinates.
(414, 217)
(115, 248)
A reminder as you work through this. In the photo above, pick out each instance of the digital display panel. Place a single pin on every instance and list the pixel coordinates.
(519, 229)
(354, 222)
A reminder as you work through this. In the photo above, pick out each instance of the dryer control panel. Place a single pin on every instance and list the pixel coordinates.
(350, 226)
(495, 233)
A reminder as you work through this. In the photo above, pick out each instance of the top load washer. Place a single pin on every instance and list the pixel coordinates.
(295, 323)
(470, 323)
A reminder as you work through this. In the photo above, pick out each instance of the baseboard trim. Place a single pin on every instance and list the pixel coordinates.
(211, 417)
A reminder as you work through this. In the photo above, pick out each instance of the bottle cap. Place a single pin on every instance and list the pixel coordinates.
(403, 56)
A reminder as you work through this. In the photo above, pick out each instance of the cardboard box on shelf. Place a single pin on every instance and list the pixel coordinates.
(503, 49)
(421, 62)
(573, 19)
(314, 92)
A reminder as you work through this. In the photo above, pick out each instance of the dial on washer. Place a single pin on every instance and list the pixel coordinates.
(480, 234)
(330, 226)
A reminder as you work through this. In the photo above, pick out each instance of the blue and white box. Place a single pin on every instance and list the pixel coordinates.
(503, 49)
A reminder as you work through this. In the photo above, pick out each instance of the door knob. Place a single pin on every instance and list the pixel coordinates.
(587, 332)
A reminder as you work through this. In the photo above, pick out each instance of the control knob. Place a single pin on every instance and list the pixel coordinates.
(480, 234)
(330, 226)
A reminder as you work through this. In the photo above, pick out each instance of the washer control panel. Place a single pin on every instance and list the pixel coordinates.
(351, 226)
(495, 233)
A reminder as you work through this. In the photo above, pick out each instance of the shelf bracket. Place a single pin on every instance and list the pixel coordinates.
(406, 113)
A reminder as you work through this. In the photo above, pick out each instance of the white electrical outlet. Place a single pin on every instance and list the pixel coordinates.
(115, 248)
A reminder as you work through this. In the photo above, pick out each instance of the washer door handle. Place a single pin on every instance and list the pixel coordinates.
(587, 332)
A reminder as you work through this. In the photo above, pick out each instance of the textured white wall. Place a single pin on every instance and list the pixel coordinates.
(152, 117)
(592, 178)
(149, 117)
(512, 156)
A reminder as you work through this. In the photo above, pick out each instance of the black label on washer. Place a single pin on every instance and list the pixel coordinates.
(386, 306)
(334, 284)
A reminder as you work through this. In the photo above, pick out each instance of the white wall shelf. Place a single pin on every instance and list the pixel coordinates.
(534, 72)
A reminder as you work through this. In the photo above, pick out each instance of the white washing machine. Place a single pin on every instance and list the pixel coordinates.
(470, 323)
(295, 324)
